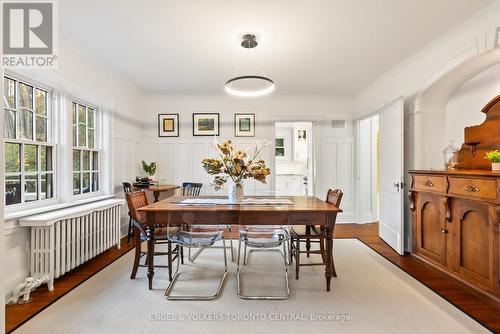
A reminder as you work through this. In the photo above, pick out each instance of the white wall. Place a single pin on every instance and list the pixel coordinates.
(424, 133)
(78, 75)
(466, 103)
(180, 158)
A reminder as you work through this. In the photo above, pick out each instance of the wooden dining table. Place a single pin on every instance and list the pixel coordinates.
(160, 188)
(304, 210)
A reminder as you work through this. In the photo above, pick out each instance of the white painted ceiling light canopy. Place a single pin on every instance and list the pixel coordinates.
(305, 47)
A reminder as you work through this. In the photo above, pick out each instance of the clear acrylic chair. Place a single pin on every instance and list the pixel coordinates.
(193, 189)
(186, 236)
(263, 238)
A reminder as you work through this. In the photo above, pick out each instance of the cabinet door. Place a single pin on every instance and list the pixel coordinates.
(430, 227)
(475, 243)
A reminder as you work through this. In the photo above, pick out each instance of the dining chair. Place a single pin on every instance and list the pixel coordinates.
(194, 189)
(127, 188)
(187, 236)
(307, 234)
(191, 188)
(263, 238)
(136, 200)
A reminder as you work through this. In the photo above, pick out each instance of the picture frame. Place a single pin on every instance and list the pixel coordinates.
(206, 124)
(168, 125)
(244, 125)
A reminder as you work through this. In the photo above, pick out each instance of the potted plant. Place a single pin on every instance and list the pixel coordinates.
(494, 157)
(149, 169)
(236, 166)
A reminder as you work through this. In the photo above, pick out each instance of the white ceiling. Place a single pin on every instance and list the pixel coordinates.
(305, 46)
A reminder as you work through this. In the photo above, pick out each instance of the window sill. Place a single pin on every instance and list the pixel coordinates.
(24, 213)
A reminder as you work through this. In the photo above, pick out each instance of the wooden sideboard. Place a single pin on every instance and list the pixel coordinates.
(456, 224)
(456, 213)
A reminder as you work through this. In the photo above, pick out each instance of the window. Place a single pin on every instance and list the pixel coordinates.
(29, 172)
(85, 152)
(279, 147)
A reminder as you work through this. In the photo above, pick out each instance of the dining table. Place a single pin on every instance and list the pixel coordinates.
(301, 210)
(157, 189)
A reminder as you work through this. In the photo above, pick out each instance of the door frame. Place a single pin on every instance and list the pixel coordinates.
(316, 142)
(364, 217)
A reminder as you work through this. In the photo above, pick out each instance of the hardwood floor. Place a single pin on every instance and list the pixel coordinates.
(482, 309)
(16, 315)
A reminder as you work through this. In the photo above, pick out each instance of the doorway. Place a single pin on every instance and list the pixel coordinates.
(368, 169)
(294, 158)
(380, 172)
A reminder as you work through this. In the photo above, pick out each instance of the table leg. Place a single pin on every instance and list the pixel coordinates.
(329, 250)
(151, 253)
(156, 195)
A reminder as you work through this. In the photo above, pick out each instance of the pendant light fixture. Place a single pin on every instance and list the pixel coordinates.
(249, 85)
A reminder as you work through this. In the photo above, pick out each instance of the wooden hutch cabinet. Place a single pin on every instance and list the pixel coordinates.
(456, 213)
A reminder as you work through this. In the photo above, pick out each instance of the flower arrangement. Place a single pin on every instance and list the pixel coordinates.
(493, 156)
(236, 165)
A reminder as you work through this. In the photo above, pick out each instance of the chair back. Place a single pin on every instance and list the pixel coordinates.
(334, 197)
(127, 187)
(191, 189)
(136, 200)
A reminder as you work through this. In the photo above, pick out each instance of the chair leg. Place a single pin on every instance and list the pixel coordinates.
(322, 249)
(334, 272)
(168, 292)
(169, 255)
(238, 276)
(245, 254)
(130, 229)
(297, 259)
(182, 254)
(137, 256)
(308, 241)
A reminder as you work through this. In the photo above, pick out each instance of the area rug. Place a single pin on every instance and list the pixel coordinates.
(370, 295)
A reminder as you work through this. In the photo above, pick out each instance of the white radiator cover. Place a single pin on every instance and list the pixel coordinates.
(64, 239)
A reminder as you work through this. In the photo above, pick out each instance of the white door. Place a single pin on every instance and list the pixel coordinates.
(391, 225)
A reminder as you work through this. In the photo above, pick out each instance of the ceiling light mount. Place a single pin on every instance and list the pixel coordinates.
(249, 85)
(249, 41)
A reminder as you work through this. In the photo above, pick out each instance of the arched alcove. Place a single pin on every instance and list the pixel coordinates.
(428, 117)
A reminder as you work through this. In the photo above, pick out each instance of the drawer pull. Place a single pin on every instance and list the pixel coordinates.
(443, 230)
(471, 188)
(428, 183)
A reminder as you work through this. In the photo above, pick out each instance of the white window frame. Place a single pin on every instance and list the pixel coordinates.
(97, 148)
(50, 142)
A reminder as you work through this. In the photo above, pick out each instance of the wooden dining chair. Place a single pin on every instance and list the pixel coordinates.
(136, 200)
(191, 189)
(306, 234)
(127, 188)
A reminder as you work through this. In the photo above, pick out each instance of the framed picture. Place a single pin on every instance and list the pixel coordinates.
(168, 125)
(302, 135)
(206, 124)
(244, 125)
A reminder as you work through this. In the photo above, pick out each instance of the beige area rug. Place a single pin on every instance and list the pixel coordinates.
(370, 295)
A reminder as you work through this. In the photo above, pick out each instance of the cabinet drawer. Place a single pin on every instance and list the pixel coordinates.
(483, 188)
(430, 182)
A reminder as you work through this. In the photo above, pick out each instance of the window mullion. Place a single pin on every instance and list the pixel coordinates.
(21, 163)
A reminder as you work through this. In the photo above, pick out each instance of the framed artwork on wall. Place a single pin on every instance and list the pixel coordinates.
(206, 124)
(244, 125)
(168, 125)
